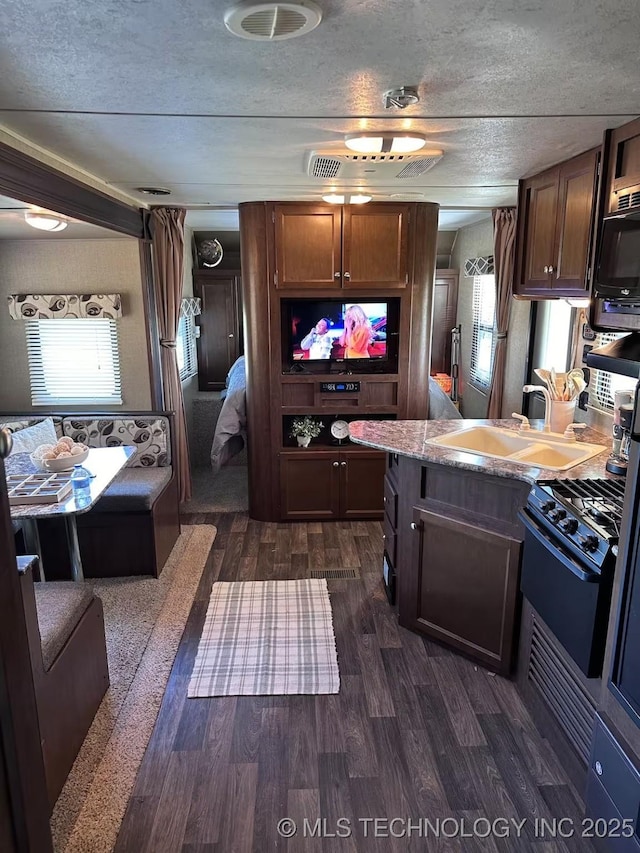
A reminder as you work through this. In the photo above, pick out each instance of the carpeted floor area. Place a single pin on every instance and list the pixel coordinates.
(226, 491)
(144, 622)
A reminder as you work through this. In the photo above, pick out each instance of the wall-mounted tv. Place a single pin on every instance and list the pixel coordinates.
(335, 330)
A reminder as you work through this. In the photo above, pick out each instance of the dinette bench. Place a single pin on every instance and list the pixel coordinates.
(135, 524)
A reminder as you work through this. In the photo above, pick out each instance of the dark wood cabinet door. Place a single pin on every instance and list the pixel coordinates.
(622, 192)
(574, 221)
(467, 587)
(308, 241)
(375, 245)
(309, 484)
(537, 233)
(221, 336)
(362, 483)
(445, 303)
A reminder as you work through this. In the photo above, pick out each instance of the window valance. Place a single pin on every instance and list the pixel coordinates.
(61, 306)
(479, 266)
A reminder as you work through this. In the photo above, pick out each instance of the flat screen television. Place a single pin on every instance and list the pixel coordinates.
(336, 331)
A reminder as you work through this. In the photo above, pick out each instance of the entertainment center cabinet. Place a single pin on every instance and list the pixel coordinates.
(293, 253)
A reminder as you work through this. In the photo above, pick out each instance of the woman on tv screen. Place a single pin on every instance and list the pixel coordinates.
(357, 333)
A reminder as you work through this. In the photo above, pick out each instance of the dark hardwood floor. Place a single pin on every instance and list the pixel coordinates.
(416, 731)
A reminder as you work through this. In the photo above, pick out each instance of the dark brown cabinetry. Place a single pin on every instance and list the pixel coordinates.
(555, 225)
(221, 334)
(445, 303)
(457, 543)
(329, 484)
(320, 247)
(623, 174)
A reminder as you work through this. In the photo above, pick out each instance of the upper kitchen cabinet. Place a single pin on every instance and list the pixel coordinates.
(308, 246)
(355, 247)
(555, 224)
(623, 177)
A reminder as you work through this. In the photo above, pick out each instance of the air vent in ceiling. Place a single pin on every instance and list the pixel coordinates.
(629, 198)
(389, 167)
(272, 21)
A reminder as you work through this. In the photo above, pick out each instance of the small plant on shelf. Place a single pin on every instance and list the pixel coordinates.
(306, 428)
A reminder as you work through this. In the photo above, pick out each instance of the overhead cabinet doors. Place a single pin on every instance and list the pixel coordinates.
(322, 246)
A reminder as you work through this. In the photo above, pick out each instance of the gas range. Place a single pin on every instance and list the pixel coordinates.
(584, 514)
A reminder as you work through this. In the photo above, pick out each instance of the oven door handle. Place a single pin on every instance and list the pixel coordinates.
(558, 551)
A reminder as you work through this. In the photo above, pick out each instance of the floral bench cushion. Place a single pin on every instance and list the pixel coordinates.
(150, 436)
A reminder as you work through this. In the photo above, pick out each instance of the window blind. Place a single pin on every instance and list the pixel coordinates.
(73, 361)
(603, 385)
(483, 336)
(186, 348)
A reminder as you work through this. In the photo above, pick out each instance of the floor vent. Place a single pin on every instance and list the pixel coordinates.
(335, 574)
(566, 698)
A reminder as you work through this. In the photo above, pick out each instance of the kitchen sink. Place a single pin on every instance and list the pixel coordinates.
(534, 449)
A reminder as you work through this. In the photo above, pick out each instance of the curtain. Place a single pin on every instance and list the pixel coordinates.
(167, 232)
(504, 236)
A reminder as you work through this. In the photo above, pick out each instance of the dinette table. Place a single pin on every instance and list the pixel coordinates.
(104, 464)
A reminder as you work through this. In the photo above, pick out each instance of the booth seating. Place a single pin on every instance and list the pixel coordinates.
(65, 630)
(135, 524)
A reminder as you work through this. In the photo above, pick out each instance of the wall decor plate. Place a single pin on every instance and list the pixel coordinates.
(210, 252)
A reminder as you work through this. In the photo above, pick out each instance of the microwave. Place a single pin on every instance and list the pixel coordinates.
(617, 276)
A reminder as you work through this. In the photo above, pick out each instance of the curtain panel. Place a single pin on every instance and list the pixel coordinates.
(504, 235)
(167, 233)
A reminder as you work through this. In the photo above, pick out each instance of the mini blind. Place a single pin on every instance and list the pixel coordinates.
(483, 336)
(73, 361)
(603, 385)
(186, 348)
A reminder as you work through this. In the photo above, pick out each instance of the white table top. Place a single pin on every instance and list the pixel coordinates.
(105, 462)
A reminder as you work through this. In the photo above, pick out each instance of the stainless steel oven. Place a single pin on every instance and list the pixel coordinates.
(571, 535)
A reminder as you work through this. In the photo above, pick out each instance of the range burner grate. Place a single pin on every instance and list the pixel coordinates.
(598, 499)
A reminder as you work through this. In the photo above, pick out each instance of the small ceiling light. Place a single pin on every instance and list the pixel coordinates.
(153, 190)
(45, 221)
(374, 142)
(405, 96)
(346, 198)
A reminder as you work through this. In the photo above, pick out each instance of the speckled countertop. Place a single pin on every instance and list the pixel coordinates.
(408, 439)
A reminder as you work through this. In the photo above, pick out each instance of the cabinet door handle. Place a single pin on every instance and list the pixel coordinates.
(336, 275)
(550, 269)
(414, 526)
(335, 464)
(546, 269)
(344, 464)
(347, 275)
(230, 336)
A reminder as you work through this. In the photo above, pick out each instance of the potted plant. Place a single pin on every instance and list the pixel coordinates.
(306, 428)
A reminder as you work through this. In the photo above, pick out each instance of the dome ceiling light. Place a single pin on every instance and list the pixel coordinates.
(379, 142)
(346, 198)
(45, 221)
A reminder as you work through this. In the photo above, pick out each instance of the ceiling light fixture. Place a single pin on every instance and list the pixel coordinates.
(347, 198)
(45, 221)
(376, 142)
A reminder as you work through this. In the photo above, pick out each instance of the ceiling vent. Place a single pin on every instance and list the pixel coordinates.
(272, 21)
(371, 167)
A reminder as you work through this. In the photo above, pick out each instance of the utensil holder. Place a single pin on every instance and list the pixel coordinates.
(561, 414)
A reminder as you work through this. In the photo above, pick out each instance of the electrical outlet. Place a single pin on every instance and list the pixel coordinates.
(587, 333)
(583, 400)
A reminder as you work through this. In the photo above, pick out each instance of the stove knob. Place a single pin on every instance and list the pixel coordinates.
(547, 505)
(570, 525)
(557, 514)
(588, 543)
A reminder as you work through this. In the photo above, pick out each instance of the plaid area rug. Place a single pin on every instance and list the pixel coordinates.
(266, 638)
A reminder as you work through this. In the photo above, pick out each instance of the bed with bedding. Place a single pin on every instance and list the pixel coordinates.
(231, 429)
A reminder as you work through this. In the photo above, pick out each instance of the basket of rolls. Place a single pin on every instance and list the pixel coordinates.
(61, 456)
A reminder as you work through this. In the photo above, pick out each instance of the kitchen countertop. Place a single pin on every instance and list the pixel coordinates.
(407, 439)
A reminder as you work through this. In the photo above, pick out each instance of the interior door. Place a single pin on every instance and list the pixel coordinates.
(375, 245)
(219, 341)
(308, 246)
(445, 303)
(24, 809)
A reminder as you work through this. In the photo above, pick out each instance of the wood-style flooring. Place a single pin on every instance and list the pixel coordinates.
(416, 732)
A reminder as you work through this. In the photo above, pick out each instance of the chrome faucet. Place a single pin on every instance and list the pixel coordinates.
(531, 389)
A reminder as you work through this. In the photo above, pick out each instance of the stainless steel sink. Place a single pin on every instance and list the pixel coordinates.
(534, 449)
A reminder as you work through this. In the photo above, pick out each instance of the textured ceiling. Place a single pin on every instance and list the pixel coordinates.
(139, 92)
